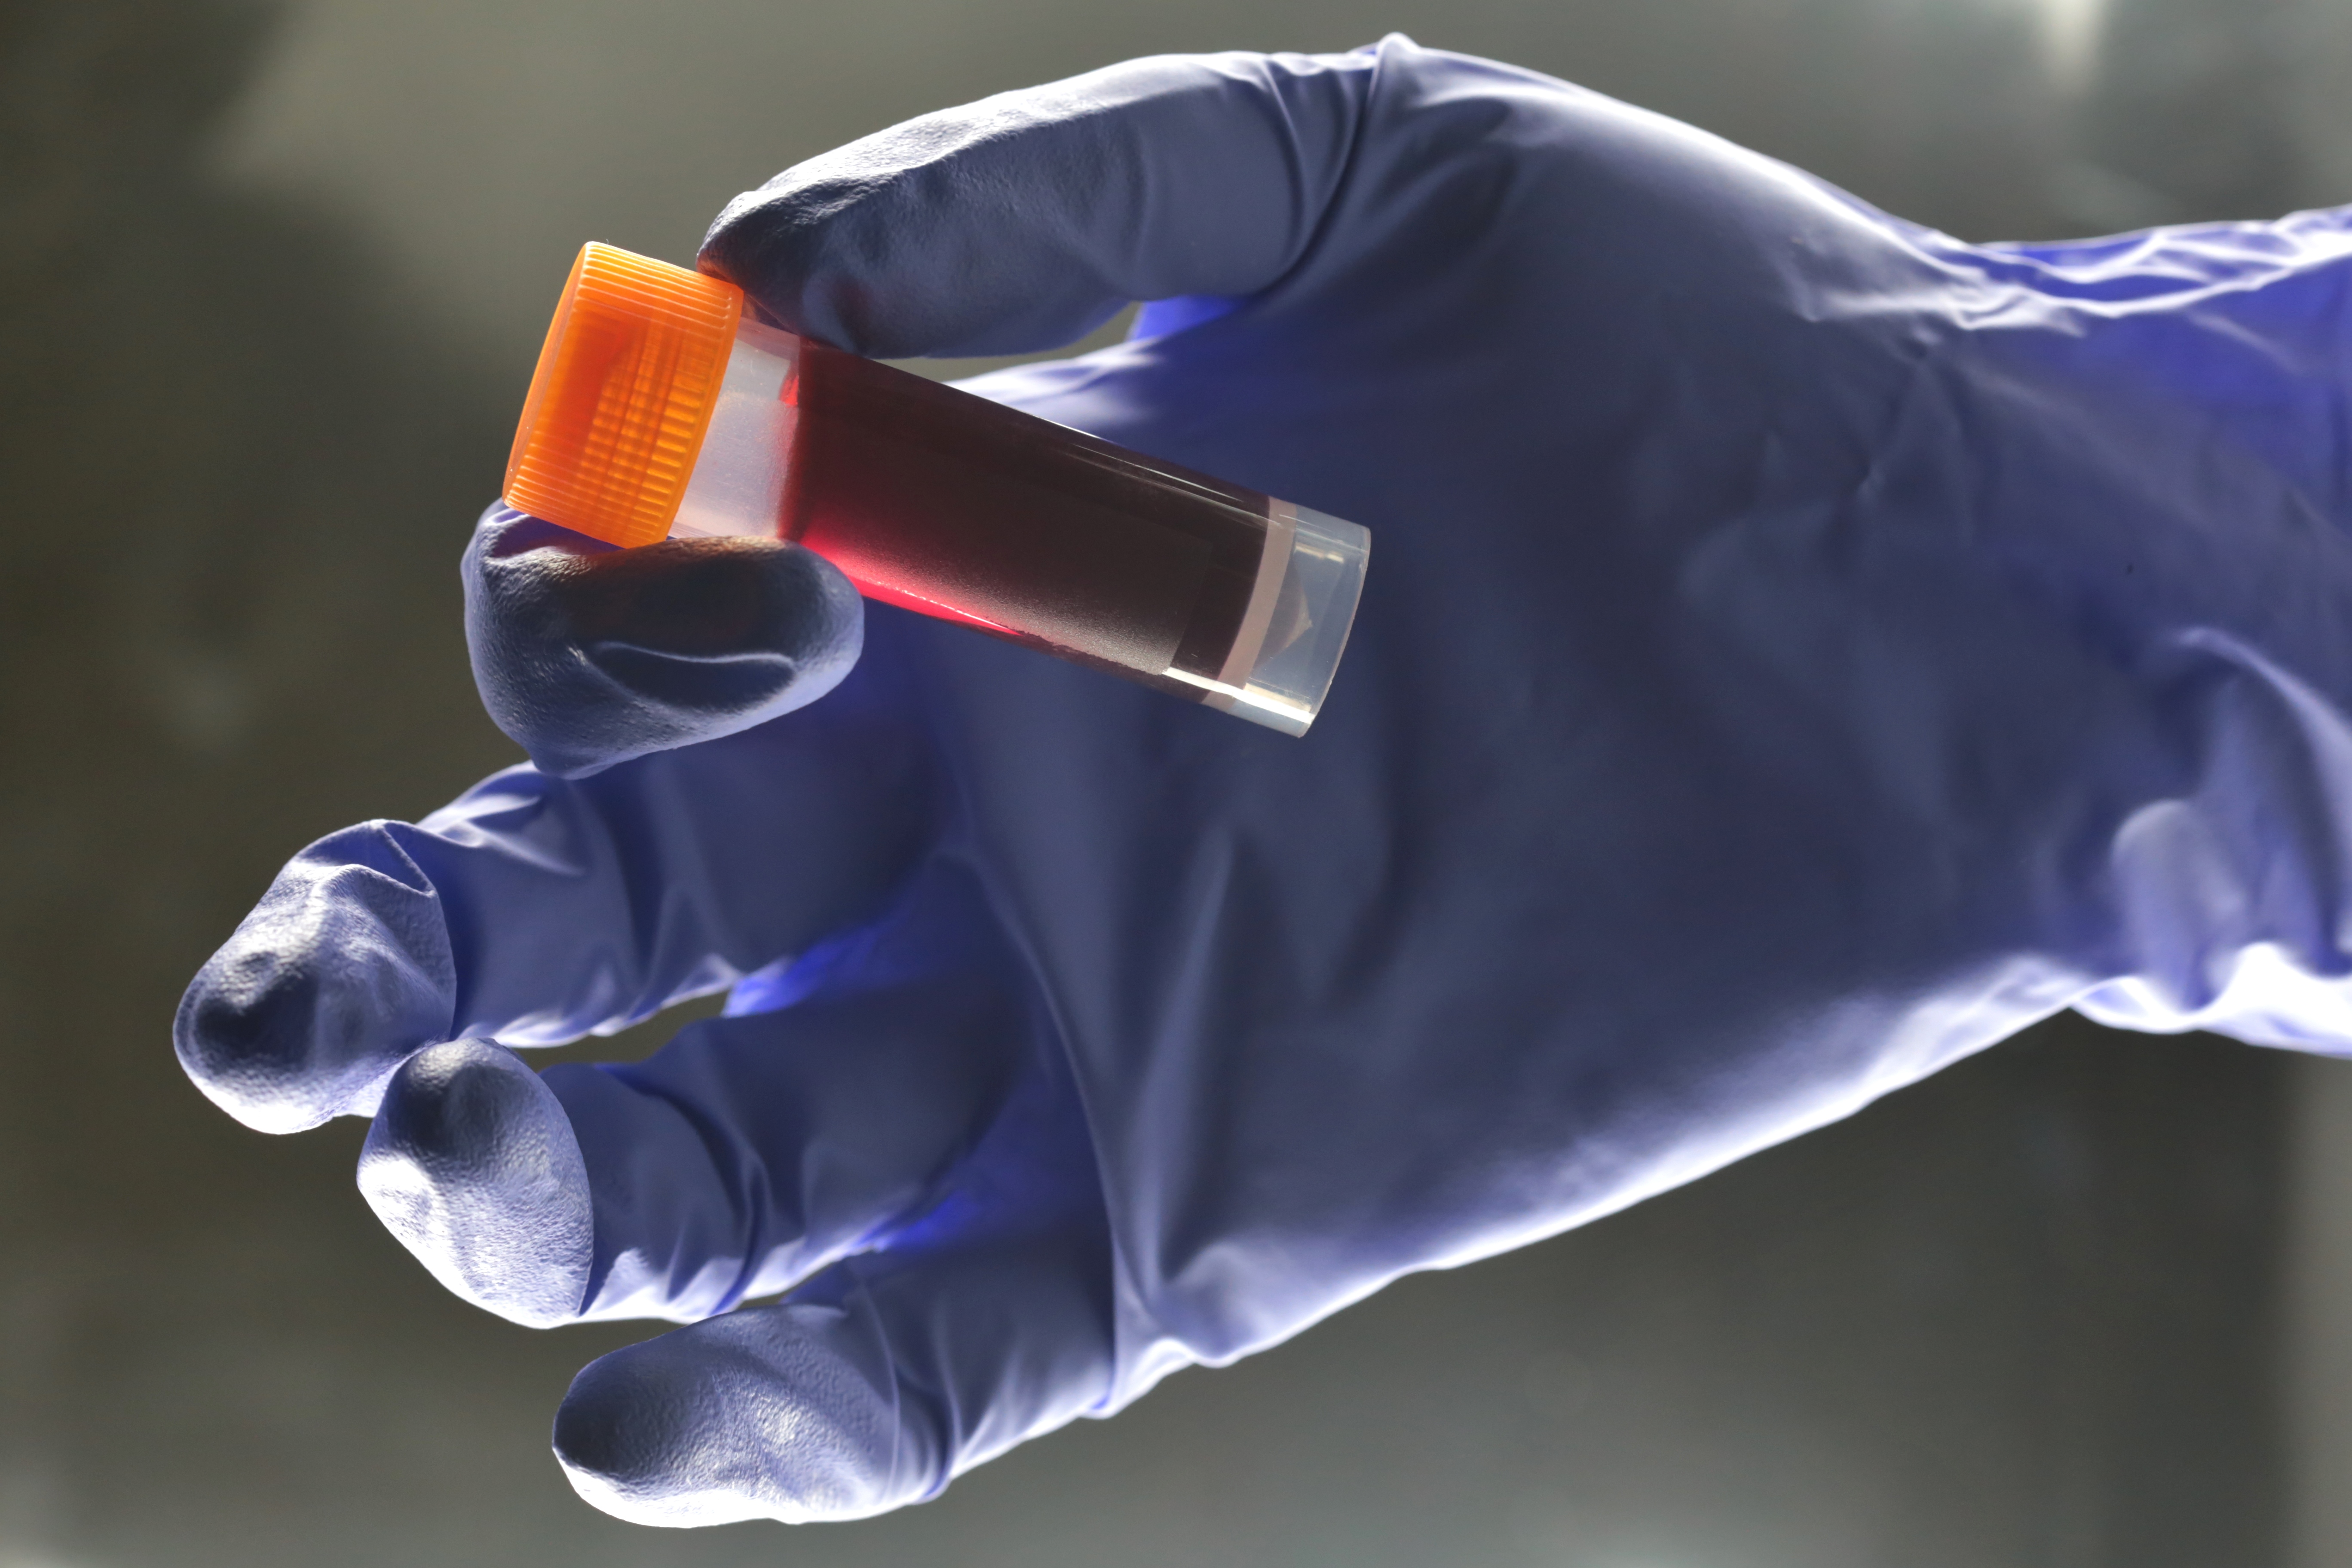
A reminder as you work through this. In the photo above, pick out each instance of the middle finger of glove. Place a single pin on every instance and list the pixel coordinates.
(535, 910)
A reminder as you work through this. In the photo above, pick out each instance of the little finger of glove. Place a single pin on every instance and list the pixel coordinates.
(867, 1390)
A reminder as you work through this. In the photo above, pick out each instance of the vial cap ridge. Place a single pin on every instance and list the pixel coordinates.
(623, 395)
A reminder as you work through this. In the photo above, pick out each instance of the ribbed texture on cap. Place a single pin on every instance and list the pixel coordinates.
(622, 397)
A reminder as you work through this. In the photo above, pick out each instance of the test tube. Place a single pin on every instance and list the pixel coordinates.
(660, 409)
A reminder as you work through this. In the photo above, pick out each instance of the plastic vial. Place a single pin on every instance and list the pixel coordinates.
(659, 409)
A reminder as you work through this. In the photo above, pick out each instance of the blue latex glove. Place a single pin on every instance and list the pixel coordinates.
(1799, 650)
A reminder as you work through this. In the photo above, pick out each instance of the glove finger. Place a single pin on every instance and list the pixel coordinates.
(986, 1322)
(587, 656)
(866, 1391)
(535, 909)
(737, 1161)
(472, 1164)
(753, 1152)
(744, 1156)
(1025, 220)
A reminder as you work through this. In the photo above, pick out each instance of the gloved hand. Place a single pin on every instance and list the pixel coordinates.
(1798, 649)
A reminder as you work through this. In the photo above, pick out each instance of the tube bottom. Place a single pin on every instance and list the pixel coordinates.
(1296, 625)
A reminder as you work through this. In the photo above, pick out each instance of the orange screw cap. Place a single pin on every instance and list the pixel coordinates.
(622, 397)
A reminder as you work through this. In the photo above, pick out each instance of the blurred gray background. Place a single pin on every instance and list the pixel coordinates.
(271, 281)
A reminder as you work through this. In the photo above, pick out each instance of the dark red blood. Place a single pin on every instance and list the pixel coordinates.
(946, 503)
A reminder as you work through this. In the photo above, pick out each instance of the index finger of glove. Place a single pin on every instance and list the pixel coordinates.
(1025, 220)
(589, 656)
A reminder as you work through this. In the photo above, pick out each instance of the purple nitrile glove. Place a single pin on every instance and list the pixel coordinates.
(1800, 649)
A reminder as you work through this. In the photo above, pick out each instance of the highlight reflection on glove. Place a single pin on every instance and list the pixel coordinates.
(1801, 650)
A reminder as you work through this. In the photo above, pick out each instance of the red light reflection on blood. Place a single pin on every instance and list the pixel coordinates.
(907, 599)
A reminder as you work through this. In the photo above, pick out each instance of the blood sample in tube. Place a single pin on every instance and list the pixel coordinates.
(659, 409)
